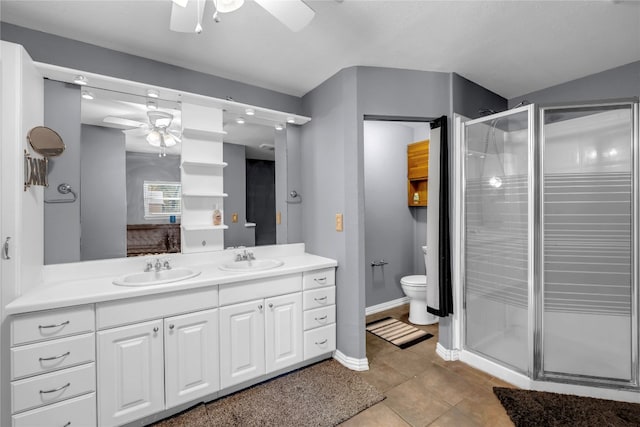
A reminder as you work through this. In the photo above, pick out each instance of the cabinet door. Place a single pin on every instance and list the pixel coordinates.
(130, 373)
(241, 342)
(283, 331)
(191, 356)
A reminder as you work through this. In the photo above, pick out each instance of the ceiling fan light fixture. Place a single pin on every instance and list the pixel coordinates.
(226, 6)
(80, 80)
(154, 138)
(87, 95)
(169, 140)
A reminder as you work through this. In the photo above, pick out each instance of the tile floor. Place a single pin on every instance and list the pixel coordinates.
(424, 390)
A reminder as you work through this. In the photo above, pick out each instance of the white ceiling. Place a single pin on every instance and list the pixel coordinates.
(510, 47)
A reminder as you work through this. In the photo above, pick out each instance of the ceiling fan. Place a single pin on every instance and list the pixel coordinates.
(186, 15)
(158, 130)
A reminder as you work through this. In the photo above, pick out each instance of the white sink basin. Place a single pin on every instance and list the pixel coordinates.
(252, 265)
(156, 277)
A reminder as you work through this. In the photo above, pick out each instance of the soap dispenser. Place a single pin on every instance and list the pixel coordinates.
(217, 216)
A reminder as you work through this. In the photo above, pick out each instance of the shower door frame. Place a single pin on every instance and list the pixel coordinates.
(532, 194)
(538, 301)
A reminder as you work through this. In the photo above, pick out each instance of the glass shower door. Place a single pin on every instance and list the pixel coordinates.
(587, 253)
(497, 230)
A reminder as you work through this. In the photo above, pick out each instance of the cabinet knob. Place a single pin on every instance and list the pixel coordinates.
(260, 307)
(156, 329)
(270, 305)
(172, 326)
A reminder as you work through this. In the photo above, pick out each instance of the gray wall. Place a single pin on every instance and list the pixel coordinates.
(293, 183)
(62, 220)
(141, 167)
(389, 222)
(235, 183)
(619, 82)
(103, 207)
(333, 172)
(70, 53)
(468, 98)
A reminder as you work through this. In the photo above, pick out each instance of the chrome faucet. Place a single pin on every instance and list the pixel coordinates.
(149, 266)
(157, 265)
(245, 255)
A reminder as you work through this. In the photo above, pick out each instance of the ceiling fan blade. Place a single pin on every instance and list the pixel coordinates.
(136, 132)
(185, 19)
(294, 14)
(124, 122)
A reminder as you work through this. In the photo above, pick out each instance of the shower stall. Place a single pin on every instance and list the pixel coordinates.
(548, 247)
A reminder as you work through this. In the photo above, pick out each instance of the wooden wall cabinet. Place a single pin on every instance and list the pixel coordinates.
(417, 173)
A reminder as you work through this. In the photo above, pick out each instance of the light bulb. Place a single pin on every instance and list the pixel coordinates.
(87, 95)
(495, 182)
(279, 126)
(291, 120)
(250, 112)
(240, 120)
(152, 93)
(154, 138)
(80, 80)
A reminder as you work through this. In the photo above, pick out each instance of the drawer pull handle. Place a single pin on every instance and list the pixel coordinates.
(318, 319)
(172, 326)
(270, 305)
(55, 389)
(260, 307)
(54, 326)
(321, 280)
(60, 356)
(321, 299)
(156, 329)
(324, 341)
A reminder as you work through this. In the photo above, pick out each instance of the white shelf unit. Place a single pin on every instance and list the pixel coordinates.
(203, 227)
(202, 178)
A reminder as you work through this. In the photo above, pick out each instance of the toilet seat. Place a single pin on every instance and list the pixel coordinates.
(415, 280)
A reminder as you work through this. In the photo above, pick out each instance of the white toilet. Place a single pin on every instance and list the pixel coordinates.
(415, 287)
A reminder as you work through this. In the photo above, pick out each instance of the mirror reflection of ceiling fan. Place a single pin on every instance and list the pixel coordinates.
(158, 130)
(186, 15)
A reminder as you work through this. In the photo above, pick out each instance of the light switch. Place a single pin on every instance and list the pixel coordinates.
(234, 217)
(339, 224)
(278, 218)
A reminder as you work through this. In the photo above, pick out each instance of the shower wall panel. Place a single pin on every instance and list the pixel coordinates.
(587, 242)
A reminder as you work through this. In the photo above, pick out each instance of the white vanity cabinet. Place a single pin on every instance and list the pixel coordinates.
(262, 335)
(53, 368)
(319, 301)
(152, 365)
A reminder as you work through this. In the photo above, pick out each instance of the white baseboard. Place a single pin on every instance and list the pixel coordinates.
(447, 354)
(386, 305)
(351, 362)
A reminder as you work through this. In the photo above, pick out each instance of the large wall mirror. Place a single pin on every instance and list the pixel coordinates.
(123, 161)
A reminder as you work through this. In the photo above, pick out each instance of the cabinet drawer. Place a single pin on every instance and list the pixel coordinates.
(259, 288)
(319, 341)
(49, 324)
(52, 355)
(319, 317)
(134, 310)
(321, 297)
(80, 411)
(319, 278)
(53, 387)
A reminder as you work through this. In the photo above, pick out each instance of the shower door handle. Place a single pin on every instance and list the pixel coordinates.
(379, 263)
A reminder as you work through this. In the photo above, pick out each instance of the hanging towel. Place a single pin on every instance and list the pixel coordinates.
(439, 290)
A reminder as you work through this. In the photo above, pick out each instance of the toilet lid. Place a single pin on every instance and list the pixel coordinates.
(416, 280)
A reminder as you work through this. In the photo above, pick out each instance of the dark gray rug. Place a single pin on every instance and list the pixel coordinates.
(324, 394)
(541, 409)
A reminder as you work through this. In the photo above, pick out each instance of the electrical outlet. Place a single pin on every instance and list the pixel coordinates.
(339, 223)
(234, 217)
(278, 218)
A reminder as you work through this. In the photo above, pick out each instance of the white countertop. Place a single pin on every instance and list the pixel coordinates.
(86, 290)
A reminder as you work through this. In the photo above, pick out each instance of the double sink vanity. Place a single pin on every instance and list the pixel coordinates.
(108, 343)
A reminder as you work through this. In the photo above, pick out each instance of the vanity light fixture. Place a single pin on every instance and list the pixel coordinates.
(87, 95)
(279, 126)
(291, 120)
(240, 120)
(152, 93)
(80, 80)
(250, 112)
